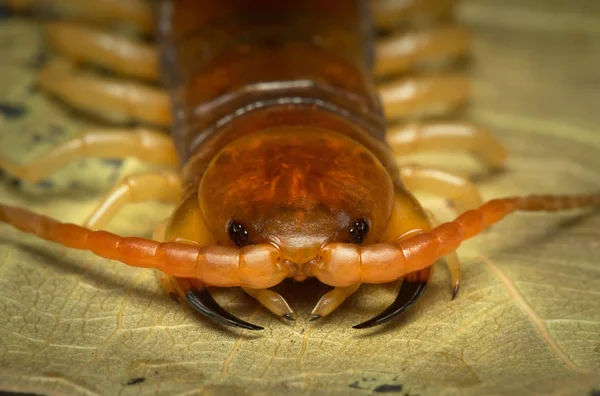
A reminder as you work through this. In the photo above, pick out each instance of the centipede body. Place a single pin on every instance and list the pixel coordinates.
(278, 128)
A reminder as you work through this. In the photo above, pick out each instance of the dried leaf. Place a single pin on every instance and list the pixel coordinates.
(527, 320)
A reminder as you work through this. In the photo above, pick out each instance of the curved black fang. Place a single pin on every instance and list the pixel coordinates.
(204, 303)
(408, 294)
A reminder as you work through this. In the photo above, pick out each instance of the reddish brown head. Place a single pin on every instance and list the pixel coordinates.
(297, 189)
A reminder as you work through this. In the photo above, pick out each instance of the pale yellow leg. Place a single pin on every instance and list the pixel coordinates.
(160, 231)
(331, 300)
(115, 52)
(163, 186)
(402, 51)
(116, 100)
(421, 95)
(452, 261)
(133, 12)
(273, 301)
(447, 135)
(463, 194)
(144, 144)
(387, 13)
(390, 13)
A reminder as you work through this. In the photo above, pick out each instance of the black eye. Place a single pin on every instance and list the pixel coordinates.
(237, 233)
(359, 231)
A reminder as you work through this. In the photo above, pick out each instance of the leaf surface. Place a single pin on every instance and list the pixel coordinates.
(527, 319)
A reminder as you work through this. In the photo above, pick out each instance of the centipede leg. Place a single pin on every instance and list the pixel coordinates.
(390, 13)
(133, 12)
(114, 99)
(447, 136)
(429, 94)
(145, 144)
(273, 301)
(163, 186)
(115, 52)
(463, 194)
(400, 52)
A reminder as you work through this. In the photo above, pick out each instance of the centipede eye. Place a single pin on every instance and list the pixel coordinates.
(359, 231)
(238, 233)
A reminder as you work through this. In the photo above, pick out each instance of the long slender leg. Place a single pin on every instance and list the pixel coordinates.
(402, 51)
(387, 13)
(145, 144)
(452, 261)
(163, 186)
(390, 13)
(112, 51)
(114, 99)
(447, 135)
(394, 54)
(423, 95)
(459, 190)
(134, 12)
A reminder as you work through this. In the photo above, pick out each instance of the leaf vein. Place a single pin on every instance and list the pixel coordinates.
(535, 319)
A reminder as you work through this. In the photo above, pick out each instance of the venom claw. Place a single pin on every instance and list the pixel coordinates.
(408, 294)
(288, 316)
(455, 292)
(315, 318)
(204, 303)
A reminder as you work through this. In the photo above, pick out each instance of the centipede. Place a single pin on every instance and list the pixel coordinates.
(276, 126)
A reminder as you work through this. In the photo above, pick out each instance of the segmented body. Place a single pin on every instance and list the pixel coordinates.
(279, 132)
(293, 82)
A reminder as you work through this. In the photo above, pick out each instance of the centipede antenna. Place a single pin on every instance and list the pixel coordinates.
(408, 294)
(204, 303)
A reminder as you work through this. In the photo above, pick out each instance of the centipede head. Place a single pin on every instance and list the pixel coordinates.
(297, 189)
